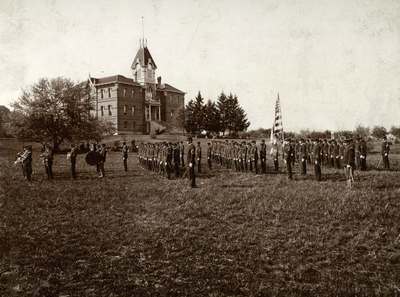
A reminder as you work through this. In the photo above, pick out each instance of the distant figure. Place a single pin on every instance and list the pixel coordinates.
(385, 153)
(209, 155)
(255, 157)
(47, 157)
(198, 155)
(72, 157)
(125, 150)
(317, 157)
(169, 158)
(102, 151)
(191, 160)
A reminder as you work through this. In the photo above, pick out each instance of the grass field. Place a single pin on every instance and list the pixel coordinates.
(138, 234)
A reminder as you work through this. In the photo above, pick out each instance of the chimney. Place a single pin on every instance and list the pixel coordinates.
(159, 81)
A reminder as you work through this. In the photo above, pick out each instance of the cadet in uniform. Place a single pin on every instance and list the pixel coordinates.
(275, 155)
(303, 156)
(349, 162)
(191, 160)
(289, 154)
(317, 159)
(176, 152)
(263, 156)
(125, 151)
(25, 158)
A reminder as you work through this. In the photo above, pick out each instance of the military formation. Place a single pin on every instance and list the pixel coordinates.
(175, 159)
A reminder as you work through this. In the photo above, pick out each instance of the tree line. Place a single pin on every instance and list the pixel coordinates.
(223, 116)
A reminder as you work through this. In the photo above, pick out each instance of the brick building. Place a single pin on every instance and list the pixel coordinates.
(139, 104)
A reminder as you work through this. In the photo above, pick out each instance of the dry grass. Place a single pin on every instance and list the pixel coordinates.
(137, 234)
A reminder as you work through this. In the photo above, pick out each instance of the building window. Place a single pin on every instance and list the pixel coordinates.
(102, 111)
(109, 110)
(109, 92)
(132, 93)
(124, 92)
(101, 93)
(125, 109)
(125, 124)
(172, 113)
(133, 110)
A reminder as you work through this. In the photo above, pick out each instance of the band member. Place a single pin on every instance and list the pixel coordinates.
(25, 158)
(191, 160)
(385, 153)
(47, 156)
(125, 151)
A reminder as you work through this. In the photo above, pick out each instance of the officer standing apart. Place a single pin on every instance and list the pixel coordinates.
(385, 153)
(198, 155)
(191, 161)
(125, 151)
(72, 157)
(209, 156)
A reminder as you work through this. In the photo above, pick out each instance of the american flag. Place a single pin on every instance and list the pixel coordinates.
(277, 127)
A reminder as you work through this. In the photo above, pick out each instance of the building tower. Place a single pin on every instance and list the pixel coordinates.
(144, 72)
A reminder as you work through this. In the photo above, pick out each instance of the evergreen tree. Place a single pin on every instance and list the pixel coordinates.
(211, 117)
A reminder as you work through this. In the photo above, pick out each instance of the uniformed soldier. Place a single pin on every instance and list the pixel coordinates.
(125, 151)
(263, 156)
(317, 148)
(177, 159)
(349, 162)
(363, 154)
(275, 155)
(198, 156)
(357, 154)
(288, 155)
(303, 156)
(47, 157)
(191, 161)
(182, 153)
(385, 150)
(169, 157)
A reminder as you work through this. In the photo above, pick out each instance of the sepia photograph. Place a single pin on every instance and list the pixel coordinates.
(214, 148)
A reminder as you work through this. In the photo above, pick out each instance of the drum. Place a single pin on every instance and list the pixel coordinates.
(92, 158)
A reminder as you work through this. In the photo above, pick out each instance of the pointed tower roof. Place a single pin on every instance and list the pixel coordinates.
(143, 56)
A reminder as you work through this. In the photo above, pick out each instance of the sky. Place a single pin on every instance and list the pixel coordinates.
(335, 64)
